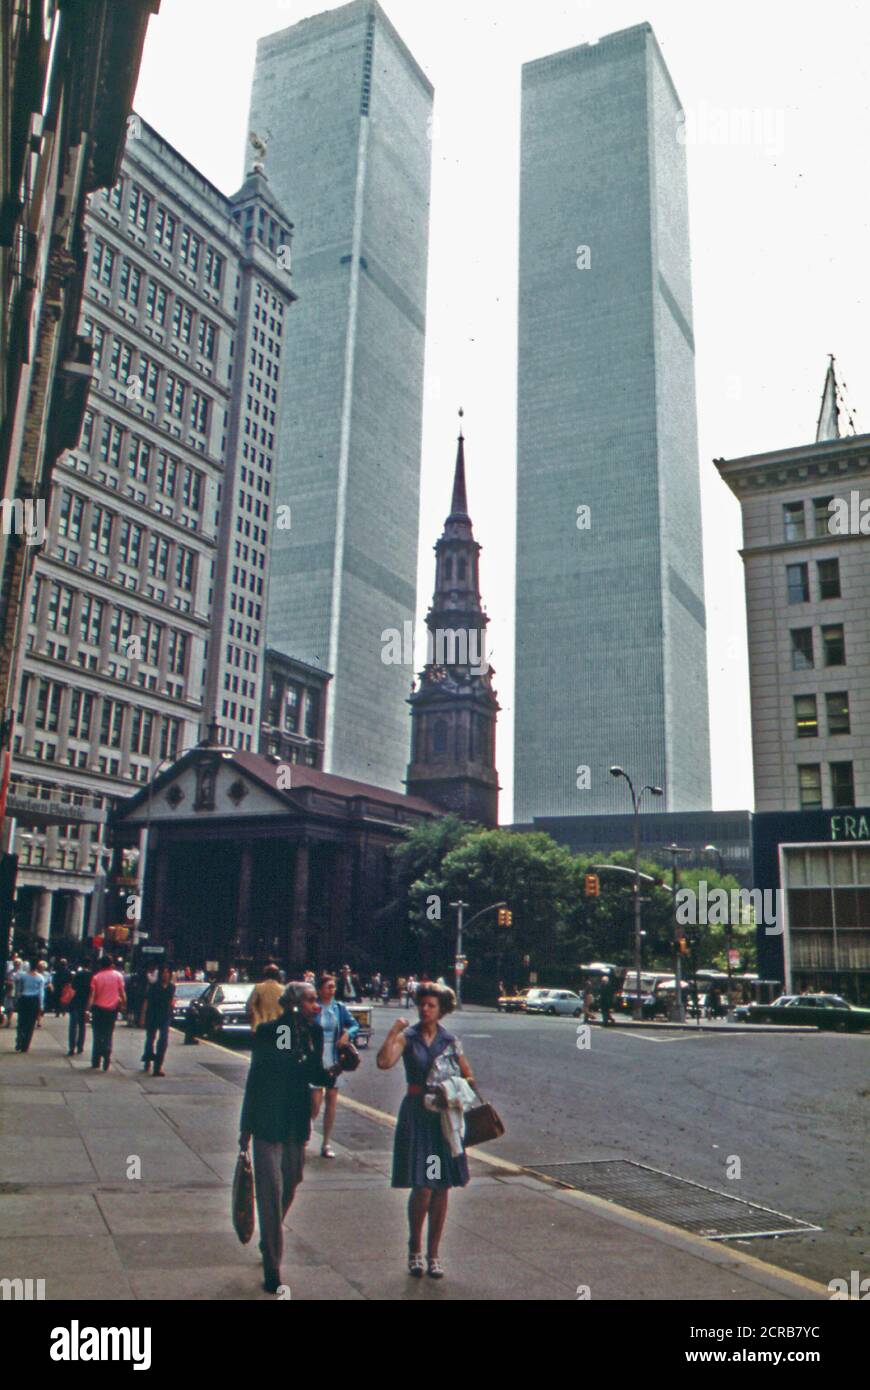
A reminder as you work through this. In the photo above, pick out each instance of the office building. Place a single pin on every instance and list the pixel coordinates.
(611, 664)
(345, 109)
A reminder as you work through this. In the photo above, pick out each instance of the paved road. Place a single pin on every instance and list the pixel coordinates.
(793, 1109)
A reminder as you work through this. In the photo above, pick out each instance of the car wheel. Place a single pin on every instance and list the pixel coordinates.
(841, 1026)
(551, 1013)
(578, 1013)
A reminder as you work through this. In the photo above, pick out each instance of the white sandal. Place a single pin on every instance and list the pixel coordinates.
(327, 1152)
(436, 1269)
(416, 1266)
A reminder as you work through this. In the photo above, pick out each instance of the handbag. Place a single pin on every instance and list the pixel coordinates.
(348, 1057)
(482, 1123)
(243, 1197)
(67, 995)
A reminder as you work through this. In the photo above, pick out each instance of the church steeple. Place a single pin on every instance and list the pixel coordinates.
(454, 708)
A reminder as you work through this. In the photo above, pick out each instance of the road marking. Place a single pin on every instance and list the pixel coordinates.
(477, 1035)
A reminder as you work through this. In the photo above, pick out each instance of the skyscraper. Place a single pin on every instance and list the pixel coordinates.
(345, 110)
(611, 650)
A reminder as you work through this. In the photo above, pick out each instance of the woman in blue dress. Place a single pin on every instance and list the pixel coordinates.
(422, 1159)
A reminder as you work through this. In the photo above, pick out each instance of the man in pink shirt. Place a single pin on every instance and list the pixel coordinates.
(107, 996)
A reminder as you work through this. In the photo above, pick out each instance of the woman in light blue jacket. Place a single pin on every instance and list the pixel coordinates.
(339, 1026)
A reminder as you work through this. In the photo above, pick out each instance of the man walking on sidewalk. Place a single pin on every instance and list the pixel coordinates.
(287, 1060)
(158, 1017)
(106, 997)
(31, 1001)
(81, 983)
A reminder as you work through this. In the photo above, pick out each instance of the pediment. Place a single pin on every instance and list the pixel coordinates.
(206, 789)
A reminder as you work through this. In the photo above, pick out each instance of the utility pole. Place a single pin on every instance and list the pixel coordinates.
(458, 964)
(636, 799)
(673, 851)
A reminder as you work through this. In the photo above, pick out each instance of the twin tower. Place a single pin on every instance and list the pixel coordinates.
(610, 619)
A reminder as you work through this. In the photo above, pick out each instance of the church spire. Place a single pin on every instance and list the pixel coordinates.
(828, 426)
(459, 504)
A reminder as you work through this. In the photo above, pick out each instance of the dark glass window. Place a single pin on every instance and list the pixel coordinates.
(794, 521)
(834, 645)
(806, 716)
(842, 784)
(829, 578)
(821, 515)
(798, 581)
(837, 703)
(810, 782)
(801, 648)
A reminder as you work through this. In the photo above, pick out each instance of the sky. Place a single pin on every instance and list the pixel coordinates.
(777, 121)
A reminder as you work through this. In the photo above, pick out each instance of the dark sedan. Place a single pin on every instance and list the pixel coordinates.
(222, 1011)
(185, 993)
(827, 1012)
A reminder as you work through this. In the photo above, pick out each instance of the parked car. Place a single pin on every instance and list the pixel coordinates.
(556, 1001)
(827, 1012)
(512, 1003)
(533, 996)
(221, 1011)
(749, 1013)
(185, 993)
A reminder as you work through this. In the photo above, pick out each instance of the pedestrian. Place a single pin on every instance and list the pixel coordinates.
(81, 985)
(588, 1002)
(375, 990)
(338, 1026)
(30, 1003)
(286, 1061)
(9, 988)
(385, 990)
(233, 977)
(105, 999)
(410, 991)
(605, 999)
(345, 989)
(61, 978)
(422, 1158)
(158, 1017)
(264, 1001)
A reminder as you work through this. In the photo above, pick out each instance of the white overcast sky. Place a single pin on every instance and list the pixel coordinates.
(779, 249)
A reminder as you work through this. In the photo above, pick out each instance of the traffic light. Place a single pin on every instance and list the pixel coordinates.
(591, 885)
(682, 946)
(505, 917)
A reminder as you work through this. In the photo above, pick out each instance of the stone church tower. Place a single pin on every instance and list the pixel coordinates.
(454, 707)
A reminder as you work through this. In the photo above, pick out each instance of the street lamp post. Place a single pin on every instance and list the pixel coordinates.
(636, 799)
(673, 851)
(460, 908)
(714, 849)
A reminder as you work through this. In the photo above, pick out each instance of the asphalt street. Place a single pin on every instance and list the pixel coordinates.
(793, 1109)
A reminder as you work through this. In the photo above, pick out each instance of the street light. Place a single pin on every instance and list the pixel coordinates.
(460, 908)
(636, 799)
(714, 849)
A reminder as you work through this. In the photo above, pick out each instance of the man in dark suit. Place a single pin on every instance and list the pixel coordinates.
(286, 1061)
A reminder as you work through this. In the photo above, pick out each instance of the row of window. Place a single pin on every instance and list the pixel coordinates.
(125, 540)
(286, 705)
(147, 215)
(143, 379)
(794, 519)
(803, 650)
(810, 784)
(117, 443)
(188, 326)
(797, 578)
(806, 714)
(129, 635)
(81, 707)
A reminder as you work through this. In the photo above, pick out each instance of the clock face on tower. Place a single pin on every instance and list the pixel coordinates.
(438, 673)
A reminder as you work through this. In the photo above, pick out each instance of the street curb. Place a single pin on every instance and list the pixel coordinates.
(624, 1216)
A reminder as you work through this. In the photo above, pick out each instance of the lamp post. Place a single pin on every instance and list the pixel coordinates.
(636, 799)
(714, 849)
(673, 851)
(460, 908)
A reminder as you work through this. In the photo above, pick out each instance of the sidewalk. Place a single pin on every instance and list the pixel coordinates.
(75, 1214)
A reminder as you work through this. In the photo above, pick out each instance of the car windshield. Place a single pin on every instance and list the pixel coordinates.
(232, 994)
(188, 989)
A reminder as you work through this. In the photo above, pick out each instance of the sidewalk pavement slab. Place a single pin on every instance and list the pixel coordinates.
(74, 1218)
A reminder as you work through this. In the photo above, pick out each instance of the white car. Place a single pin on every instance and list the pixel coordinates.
(556, 1001)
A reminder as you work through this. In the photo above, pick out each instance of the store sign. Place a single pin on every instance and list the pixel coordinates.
(850, 827)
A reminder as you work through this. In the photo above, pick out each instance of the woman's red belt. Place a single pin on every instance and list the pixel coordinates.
(414, 1090)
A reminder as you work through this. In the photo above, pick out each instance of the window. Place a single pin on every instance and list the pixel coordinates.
(101, 530)
(292, 701)
(801, 648)
(834, 645)
(48, 705)
(103, 262)
(80, 707)
(192, 488)
(69, 521)
(167, 469)
(182, 320)
(130, 543)
(206, 338)
(140, 735)
(111, 723)
(189, 249)
(97, 334)
(837, 704)
(198, 412)
(821, 516)
(448, 568)
(59, 608)
(138, 459)
(158, 557)
(131, 279)
(139, 207)
(177, 652)
(121, 360)
(184, 569)
(164, 228)
(810, 784)
(151, 633)
(91, 619)
(439, 738)
(169, 738)
(829, 578)
(149, 374)
(806, 717)
(120, 629)
(793, 521)
(173, 396)
(111, 438)
(115, 195)
(842, 784)
(214, 264)
(312, 712)
(797, 579)
(155, 302)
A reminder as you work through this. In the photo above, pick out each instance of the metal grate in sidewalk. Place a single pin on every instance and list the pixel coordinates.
(689, 1205)
(227, 1071)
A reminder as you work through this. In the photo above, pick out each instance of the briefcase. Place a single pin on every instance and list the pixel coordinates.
(482, 1123)
(243, 1197)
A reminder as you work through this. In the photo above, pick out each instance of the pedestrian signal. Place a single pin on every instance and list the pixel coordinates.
(505, 917)
(591, 885)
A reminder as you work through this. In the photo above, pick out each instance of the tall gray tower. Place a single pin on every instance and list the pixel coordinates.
(345, 111)
(611, 662)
